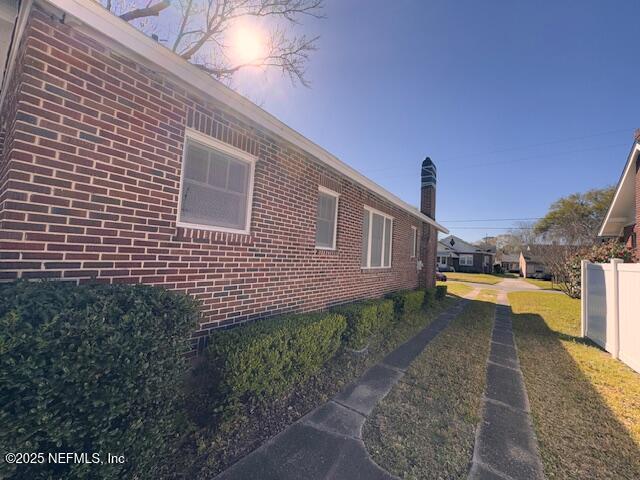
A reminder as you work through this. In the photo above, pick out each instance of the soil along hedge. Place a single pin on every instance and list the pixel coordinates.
(407, 302)
(365, 319)
(94, 369)
(264, 359)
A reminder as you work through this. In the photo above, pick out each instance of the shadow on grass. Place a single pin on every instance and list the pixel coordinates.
(579, 435)
(425, 427)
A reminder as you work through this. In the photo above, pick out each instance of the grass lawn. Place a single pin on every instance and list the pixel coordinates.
(544, 284)
(425, 427)
(211, 450)
(473, 277)
(585, 405)
(458, 289)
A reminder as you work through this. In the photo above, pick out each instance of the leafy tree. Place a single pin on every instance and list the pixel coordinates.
(200, 31)
(597, 253)
(575, 219)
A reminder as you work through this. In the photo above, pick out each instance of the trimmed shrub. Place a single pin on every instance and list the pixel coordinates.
(385, 312)
(253, 363)
(365, 319)
(429, 296)
(95, 369)
(407, 302)
(441, 292)
(362, 322)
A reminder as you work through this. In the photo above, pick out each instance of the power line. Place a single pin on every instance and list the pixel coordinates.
(532, 145)
(491, 228)
(492, 220)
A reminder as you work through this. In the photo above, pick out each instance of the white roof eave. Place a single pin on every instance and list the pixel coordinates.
(608, 227)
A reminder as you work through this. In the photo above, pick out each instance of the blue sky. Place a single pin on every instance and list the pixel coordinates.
(518, 103)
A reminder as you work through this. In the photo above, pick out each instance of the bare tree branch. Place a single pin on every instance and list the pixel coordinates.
(148, 11)
(202, 28)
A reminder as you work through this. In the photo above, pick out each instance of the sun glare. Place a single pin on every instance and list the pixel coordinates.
(248, 44)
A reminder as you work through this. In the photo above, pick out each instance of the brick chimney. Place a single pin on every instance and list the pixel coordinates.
(429, 237)
(428, 188)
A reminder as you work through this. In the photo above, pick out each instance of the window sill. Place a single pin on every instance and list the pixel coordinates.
(209, 228)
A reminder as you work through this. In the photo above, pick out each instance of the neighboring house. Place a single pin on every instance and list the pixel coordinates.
(509, 262)
(460, 256)
(123, 163)
(532, 262)
(623, 217)
(445, 257)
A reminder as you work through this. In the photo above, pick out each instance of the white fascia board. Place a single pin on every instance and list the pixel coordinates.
(97, 17)
(633, 155)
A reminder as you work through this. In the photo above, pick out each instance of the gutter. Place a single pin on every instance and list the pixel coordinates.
(98, 18)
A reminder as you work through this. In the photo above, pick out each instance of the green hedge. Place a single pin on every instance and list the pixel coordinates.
(407, 302)
(256, 362)
(385, 312)
(441, 292)
(365, 319)
(362, 322)
(95, 369)
(430, 295)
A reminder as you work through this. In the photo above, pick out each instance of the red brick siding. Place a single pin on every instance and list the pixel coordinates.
(631, 230)
(90, 189)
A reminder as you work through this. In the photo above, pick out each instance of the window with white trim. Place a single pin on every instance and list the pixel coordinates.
(326, 219)
(217, 186)
(414, 242)
(377, 235)
(466, 260)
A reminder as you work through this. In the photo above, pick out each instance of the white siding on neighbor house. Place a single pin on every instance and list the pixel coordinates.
(611, 308)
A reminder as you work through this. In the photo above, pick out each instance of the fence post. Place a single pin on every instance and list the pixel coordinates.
(615, 309)
(583, 298)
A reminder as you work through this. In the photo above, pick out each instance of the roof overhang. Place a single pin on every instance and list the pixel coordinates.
(98, 18)
(622, 211)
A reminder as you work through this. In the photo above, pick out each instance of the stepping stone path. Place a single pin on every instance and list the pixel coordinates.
(506, 446)
(327, 442)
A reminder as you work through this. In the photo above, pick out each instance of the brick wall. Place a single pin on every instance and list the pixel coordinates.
(90, 183)
(632, 233)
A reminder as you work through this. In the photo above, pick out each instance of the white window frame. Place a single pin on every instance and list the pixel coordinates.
(414, 242)
(336, 195)
(236, 153)
(385, 216)
(465, 256)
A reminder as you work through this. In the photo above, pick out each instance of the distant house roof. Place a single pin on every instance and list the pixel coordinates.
(622, 211)
(446, 250)
(535, 253)
(458, 245)
(512, 258)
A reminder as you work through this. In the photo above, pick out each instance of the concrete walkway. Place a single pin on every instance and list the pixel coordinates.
(327, 443)
(507, 285)
(506, 446)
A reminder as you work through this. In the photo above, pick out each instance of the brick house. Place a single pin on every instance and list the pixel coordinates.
(121, 162)
(623, 217)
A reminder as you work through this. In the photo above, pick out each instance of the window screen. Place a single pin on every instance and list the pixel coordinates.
(326, 220)
(387, 242)
(215, 188)
(377, 237)
(377, 232)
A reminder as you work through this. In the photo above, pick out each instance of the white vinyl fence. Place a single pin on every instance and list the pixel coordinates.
(611, 308)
